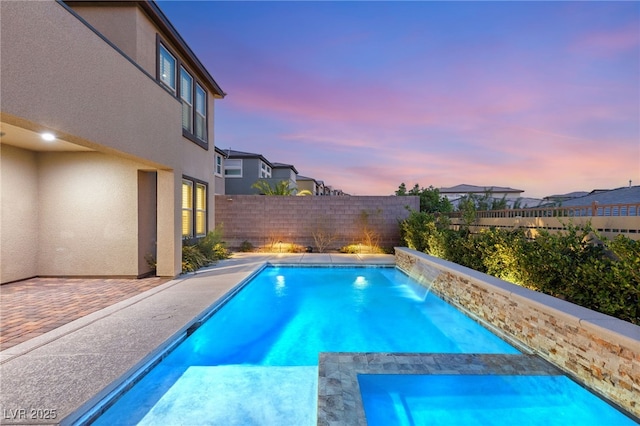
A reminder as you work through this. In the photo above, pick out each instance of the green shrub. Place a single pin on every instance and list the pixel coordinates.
(193, 259)
(501, 253)
(212, 246)
(361, 248)
(246, 246)
(575, 265)
(206, 251)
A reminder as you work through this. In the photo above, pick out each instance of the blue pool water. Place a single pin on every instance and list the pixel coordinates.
(255, 360)
(483, 400)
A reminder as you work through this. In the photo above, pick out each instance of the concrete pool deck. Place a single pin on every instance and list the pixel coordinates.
(57, 376)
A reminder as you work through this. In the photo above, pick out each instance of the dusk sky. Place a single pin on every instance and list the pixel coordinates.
(538, 96)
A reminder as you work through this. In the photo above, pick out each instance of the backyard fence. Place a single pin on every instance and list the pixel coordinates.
(322, 223)
(607, 219)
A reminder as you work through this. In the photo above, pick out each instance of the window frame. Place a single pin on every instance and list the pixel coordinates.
(264, 171)
(228, 165)
(198, 212)
(186, 98)
(196, 113)
(194, 210)
(163, 49)
(218, 165)
(187, 209)
(196, 135)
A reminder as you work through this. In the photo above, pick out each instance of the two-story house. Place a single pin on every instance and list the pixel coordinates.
(243, 169)
(285, 172)
(108, 156)
(316, 187)
(455, 193)
(218, 171)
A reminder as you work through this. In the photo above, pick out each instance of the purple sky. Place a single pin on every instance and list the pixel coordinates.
(539, 96)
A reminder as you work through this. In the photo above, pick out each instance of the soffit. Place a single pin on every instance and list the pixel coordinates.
(32, 141)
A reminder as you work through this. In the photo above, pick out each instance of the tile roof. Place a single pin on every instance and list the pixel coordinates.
(465, 189)
(625, 195)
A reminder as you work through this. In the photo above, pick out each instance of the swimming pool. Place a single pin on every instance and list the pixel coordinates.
(255, 361)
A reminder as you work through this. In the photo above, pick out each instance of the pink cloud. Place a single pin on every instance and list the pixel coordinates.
(609, 43)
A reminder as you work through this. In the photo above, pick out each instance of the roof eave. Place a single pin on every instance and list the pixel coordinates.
(156, 14)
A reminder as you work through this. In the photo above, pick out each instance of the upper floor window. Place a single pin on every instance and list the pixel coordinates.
(186, 96)
(188, 89)
(201, 113)
(233, 168)
(265, 170)
(167, 68)
(218, 170)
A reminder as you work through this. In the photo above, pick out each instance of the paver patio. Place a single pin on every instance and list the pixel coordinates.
(33, 307)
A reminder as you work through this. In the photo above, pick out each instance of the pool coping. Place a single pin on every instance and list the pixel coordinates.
(339, 397)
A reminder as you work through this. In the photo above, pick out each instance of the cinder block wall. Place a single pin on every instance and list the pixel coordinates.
(600, 351)
(264, 220)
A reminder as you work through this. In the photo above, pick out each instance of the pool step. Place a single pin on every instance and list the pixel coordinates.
(239, 395)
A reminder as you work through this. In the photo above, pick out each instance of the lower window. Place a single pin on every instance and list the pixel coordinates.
(194, 208)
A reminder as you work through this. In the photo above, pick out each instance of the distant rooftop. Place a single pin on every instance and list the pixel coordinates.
(234, 153)
(473, 189)
(624, 195)
(570, 195)
(231, 153)
(285, 166)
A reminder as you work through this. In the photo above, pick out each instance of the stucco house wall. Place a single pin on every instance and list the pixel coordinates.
(61, 73)
(75, 187)
(19, 181)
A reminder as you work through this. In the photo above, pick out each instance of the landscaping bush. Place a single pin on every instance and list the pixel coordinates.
(361, 248)
(206, 251)
(212, 246)
(246, 247)
(576, 264)
(193, 259)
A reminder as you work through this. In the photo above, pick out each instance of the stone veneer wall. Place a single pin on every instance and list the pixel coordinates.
(264, 220)
(600, 351)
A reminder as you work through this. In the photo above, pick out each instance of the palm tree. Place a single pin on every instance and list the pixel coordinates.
(281, 188)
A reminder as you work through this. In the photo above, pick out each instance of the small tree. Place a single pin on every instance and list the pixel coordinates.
(280, 188)
(370, 236)
(430, 199)
(324, 234)
(467, 206)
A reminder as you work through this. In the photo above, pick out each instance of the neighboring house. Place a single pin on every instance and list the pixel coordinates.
(560, 198)
(329, 190)
(624, 195)
(107, 140)
(243, 169)
(317, 187)
(310, 184)
(455, 193)
(284, 172)
(218, 171)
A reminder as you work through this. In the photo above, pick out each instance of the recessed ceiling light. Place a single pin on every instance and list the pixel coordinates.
(48, 136)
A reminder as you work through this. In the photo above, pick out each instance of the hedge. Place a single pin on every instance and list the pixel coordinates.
(576, 265)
